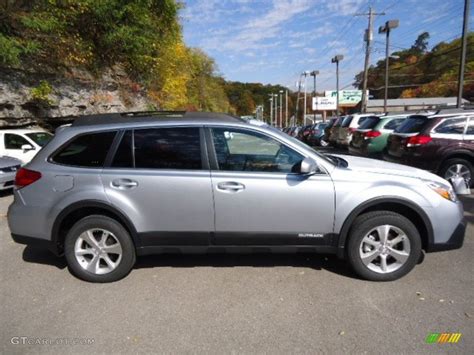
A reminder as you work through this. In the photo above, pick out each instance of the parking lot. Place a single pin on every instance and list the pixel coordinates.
(238, 303)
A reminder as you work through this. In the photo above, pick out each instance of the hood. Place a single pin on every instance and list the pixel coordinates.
(6, 162)
(382, 167)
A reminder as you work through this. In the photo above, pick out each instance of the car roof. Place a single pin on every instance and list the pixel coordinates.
(134, 118)
(22, 130)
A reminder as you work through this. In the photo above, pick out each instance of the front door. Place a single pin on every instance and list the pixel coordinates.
(160, 179)
(13, 144)
(259, 197)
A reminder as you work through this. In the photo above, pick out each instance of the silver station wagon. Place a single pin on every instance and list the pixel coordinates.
(109, 188)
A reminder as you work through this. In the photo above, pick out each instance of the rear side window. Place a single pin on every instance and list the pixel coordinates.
(87, 150)
(338, 122)
(347, 121)
(470, 128)
(369, 122)
(14, 141)
(393, 124)
(452, 126)
(168, 148)
(413, 124)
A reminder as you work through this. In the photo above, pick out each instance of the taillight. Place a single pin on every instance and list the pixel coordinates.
(372, 134)
(352, 130)
(25, 177)
(418, 140)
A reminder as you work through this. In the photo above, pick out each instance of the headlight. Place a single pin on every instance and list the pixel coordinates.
(444, 191)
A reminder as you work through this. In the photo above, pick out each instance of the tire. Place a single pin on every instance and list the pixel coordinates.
(364, 240)
(450, 166)
(99, 249)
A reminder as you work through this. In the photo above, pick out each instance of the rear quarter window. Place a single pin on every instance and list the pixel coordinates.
(347, 121)
(393, 124)
(86, 150)
(369, 122)
(413, 124)
(451, 126)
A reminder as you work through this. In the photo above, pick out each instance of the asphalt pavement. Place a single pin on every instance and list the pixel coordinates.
(234, 304)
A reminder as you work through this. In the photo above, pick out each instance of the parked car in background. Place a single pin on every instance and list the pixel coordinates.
(8, 168)
(22, 144)
(442, 143)
(370, 139)
(92, 195)
(327, 130)
(334, 131)
(316, 134)
(303, 133)
(349, 125)
(294, 131)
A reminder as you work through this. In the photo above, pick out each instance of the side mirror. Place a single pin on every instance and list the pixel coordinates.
(27, 147)
(308, 167)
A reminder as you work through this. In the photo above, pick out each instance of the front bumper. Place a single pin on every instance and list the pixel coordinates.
(455, 241)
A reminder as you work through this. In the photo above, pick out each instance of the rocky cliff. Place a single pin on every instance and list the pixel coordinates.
(50, 99)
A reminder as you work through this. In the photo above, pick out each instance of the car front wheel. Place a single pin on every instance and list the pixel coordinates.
(383, 246)
(99, 249)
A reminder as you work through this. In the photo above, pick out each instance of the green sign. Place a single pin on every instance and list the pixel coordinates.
(346, 97)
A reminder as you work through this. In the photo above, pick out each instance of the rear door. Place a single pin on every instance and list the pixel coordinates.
(258, 197)
(159, 177)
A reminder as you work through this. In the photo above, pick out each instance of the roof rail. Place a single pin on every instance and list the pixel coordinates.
(451, 110)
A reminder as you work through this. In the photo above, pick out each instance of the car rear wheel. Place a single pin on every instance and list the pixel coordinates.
(99, 249)
(454, 168)
(383, 246)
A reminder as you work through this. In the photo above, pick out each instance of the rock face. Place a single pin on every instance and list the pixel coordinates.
(69, 95)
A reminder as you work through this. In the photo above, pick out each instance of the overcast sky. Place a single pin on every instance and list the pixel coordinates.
(272, 41)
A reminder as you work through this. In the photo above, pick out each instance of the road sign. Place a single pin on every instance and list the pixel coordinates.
(324, 103)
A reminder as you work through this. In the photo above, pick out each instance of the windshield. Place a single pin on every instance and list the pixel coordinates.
(369, 122)
(412, 124)
(40, 138)
(347, 121)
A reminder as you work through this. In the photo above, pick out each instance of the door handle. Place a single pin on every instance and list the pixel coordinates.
(124, 184)
(230, 186)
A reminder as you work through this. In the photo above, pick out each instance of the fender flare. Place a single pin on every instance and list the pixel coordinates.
(122, 218)
(344, 233)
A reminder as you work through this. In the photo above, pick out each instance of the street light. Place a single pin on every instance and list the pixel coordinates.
(281, 108)
(336, 60)
(389, 25)
(314, 73)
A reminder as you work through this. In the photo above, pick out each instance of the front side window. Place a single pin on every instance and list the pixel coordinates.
(452, 126)
(241, 150)
(87, 150)
(40, 138)
(168, 148)
(14, 141)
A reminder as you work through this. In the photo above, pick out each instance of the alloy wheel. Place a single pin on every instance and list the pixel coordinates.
(458, 170)
(385, 249)
(98, 251)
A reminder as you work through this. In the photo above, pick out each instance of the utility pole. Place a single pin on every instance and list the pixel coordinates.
(389, 25)
(271, 109)
(336, 60)
(286, 108)
(275, 100)
(313, 74)
(368, 41)
(304, 111)
(297, 102)
(463, 52)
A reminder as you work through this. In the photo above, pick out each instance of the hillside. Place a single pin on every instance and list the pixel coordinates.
(419, 72)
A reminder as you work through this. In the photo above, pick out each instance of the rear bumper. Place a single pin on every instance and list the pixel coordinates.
(455, 241)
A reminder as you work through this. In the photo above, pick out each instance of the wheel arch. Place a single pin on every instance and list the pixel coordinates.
(78, 210)
(460, 154)
(402, 206)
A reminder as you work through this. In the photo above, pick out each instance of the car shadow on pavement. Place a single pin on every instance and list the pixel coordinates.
(4, 193)
(312, 261)
(43, 256)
